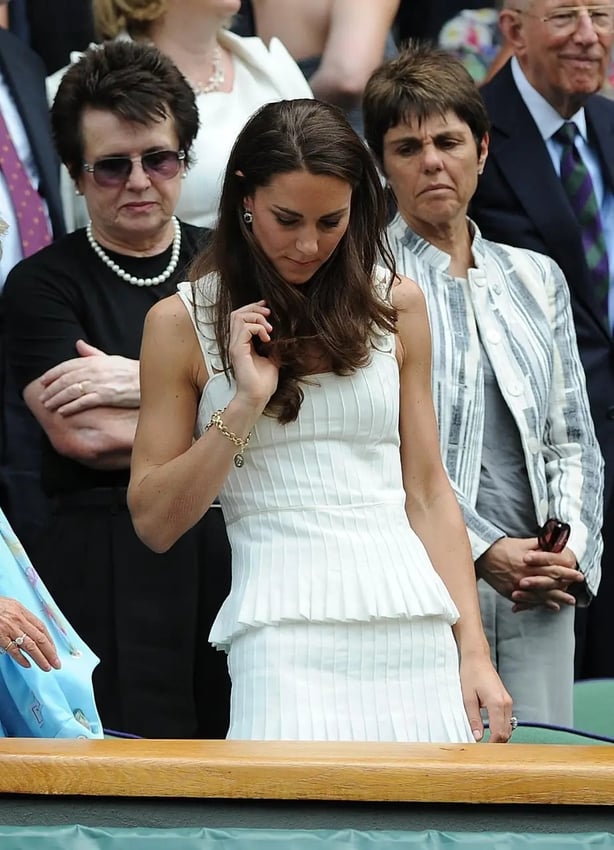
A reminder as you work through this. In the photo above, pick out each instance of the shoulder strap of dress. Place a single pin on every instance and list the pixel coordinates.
(386, 340)
(381, 282)
(199, 300)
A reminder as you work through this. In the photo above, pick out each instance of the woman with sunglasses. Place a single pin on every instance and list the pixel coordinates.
(514, 420)
(124, 121)
(231, 77)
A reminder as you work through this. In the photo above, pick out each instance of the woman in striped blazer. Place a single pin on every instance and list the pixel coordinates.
(509, 390)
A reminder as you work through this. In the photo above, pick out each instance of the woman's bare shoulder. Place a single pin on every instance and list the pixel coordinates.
(406, 295)
(170, 315)
(169, 332)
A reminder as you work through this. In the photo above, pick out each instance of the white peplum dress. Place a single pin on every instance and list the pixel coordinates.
(337, 626)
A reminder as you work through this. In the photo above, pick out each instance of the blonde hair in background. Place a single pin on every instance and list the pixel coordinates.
(112, 17)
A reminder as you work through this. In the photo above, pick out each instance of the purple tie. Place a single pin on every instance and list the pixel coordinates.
(578, 185)
(27, 204)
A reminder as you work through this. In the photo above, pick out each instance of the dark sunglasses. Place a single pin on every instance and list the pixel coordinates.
(115, 170)
(553, 535)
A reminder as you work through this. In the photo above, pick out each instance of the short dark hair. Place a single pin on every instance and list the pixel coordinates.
(132, 80)
(421, 81)
(338, 308)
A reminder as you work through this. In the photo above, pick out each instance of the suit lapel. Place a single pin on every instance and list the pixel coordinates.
(601, 132)
(519, 148)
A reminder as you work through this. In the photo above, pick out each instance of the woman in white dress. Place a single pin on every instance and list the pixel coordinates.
(231, 77)
(304, 370)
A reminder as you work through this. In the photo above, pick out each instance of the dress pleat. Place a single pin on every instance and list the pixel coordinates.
(348, 682)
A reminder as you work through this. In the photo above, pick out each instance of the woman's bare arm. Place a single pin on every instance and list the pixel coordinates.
(174, 479)
(436, 517)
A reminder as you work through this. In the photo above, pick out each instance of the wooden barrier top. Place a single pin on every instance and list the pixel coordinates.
(419, 773)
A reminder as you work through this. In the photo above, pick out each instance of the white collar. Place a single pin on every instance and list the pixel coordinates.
(547, 119)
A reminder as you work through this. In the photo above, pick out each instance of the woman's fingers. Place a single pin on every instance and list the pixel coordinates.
(22, 634)
(253, 320)
(71, 395)
(37, 646)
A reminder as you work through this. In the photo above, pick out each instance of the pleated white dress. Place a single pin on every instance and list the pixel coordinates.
(337, 626)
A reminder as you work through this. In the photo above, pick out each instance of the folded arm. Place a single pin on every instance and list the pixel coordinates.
(98, 437)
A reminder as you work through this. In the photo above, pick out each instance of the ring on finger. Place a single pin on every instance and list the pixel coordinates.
(81, 388)
(514, 723)
(7, 647)
(19, 640)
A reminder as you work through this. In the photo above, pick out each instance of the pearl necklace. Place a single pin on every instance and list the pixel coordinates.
(217, 78)
(130, 278)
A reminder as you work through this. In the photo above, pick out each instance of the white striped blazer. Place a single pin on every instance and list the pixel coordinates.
(517, 302)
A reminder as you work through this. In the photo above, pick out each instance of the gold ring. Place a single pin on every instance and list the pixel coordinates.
(7, 647)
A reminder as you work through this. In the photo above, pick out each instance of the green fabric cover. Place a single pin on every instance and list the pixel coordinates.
(88, 838)
(593, 706)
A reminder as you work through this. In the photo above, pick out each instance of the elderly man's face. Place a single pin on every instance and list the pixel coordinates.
(566, 56)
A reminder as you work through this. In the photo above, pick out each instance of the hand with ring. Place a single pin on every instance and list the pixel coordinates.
(93, 379)
(23, 637)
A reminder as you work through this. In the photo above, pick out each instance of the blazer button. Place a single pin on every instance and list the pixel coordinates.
(610, 412)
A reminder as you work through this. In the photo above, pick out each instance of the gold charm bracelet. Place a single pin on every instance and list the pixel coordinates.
(217, 422)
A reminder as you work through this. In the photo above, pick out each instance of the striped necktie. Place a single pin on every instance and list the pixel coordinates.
(578, 185)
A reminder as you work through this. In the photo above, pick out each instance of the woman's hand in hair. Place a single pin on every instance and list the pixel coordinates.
(255, 374)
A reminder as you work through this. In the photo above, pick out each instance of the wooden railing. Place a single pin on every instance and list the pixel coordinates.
(421, 773)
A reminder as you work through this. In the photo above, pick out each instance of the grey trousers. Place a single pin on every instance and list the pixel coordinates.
(533, 652)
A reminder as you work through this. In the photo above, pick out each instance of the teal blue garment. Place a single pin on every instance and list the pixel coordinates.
(78, 837)
(33, 703)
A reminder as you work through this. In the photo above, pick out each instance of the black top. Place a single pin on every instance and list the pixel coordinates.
(65, 293)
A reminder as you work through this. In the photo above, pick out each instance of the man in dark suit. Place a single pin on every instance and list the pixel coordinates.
(561, 54)
(23, 105)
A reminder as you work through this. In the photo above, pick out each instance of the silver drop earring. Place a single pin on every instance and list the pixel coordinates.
(247, 217)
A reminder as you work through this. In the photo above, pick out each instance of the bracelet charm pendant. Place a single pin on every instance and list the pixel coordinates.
(216, 421)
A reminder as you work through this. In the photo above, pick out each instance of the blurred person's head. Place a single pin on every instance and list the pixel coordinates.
(563, 48)
(427, 125)
(136, 17)
(124, 120)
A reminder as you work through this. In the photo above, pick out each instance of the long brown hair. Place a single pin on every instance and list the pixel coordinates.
(338, 310)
